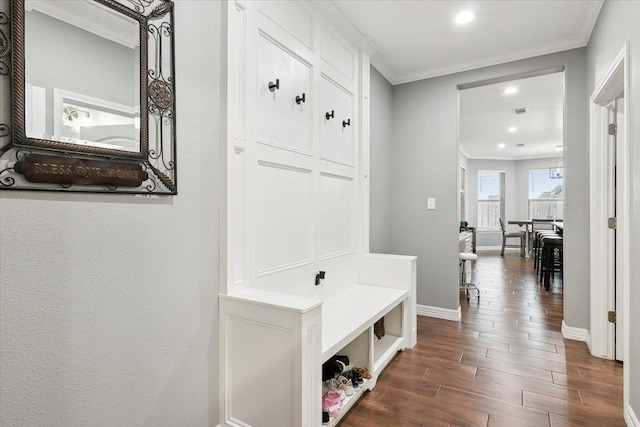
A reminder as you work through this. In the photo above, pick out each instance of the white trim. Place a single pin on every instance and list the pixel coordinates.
(439, 313)
(630, 417)
(572, 333)
(614, 81)
(567, 44)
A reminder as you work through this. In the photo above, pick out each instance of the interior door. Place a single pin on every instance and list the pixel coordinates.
(619, 333)
(615, 293)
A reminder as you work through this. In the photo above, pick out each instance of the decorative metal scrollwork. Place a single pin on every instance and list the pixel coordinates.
(5, 46)
(149, 168)
(160, 94)
(6, 174)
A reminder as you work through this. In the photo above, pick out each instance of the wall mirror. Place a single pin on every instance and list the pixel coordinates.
(90, 88)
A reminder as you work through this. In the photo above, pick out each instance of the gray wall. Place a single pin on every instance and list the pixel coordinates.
(617, 24)
(425, 164)
(108, 303)
(380, 163)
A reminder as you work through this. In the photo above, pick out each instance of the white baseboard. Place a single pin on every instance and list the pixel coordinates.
(576, 334)
(439, 313)
(489, 248)
(631, 418)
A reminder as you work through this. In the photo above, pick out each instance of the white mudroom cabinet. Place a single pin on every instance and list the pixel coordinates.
(295, 208)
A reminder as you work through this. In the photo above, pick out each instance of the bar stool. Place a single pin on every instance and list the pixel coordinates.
(538, 227)
(537, 246)
(464, 285)
(551, 245)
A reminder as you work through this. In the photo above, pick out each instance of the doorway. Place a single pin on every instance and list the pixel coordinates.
(609, 220)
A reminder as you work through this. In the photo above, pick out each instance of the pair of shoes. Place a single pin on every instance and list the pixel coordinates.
(331, 403)
(364, 372)
(378, 328)
(334, 366)
(355, 377)
(331, 368)
(335, 385)
(346, 384)
(343, 359)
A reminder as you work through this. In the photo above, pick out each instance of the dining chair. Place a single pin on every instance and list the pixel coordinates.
(512, 235)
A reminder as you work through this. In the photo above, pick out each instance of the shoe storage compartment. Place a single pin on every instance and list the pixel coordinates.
(386, 347)
(358, 352)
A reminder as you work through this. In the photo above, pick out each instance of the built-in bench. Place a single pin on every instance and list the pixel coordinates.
(294, 335)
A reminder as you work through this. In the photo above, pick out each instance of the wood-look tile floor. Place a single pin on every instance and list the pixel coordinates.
(504, 364)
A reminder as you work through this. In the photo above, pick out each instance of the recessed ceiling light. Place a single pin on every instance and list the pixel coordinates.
(513, 129)
(464, 17)
(502, 145)
(510, 90)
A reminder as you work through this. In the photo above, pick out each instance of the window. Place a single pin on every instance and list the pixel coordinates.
(490, 199)
(546, 194)
(463, 179)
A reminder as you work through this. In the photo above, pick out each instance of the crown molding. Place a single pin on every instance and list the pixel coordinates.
(573, 43)
(334, 15)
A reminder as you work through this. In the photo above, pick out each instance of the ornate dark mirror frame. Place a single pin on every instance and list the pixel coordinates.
(40, 164)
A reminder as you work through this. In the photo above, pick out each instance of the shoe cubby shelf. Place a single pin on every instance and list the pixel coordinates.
(384, 350)
(351, 312)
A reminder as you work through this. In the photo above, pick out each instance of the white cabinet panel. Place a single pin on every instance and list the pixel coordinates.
(246, 339)
(291, 17)
(281, 121)
(336, 215)
(336, 133)
(283, 217)
(337, 54)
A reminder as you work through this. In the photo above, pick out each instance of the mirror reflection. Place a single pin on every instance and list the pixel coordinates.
(92, 95)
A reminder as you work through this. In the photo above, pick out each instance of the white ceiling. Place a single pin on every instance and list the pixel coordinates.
(486, 115)
(419, 39)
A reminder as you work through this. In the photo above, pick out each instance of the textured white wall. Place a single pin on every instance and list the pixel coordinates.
(108, 303)
(619, 23)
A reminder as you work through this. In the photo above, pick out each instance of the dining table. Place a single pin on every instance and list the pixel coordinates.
(527, 229)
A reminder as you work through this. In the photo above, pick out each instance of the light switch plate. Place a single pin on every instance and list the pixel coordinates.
(431, 203)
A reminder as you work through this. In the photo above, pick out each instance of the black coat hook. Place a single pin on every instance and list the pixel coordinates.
(301, 99)
(329, 116)
(347, 123)
(319, 276)
(273, 86)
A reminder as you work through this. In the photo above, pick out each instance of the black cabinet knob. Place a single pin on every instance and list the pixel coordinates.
(329, 116)
(347, 123)
(301, 99)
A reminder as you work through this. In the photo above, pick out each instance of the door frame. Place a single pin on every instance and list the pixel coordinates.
(602, 292)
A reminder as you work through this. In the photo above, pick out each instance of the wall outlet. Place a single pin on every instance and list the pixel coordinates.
(431, 203)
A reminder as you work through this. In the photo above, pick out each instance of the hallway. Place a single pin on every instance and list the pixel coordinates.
(504, 364)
